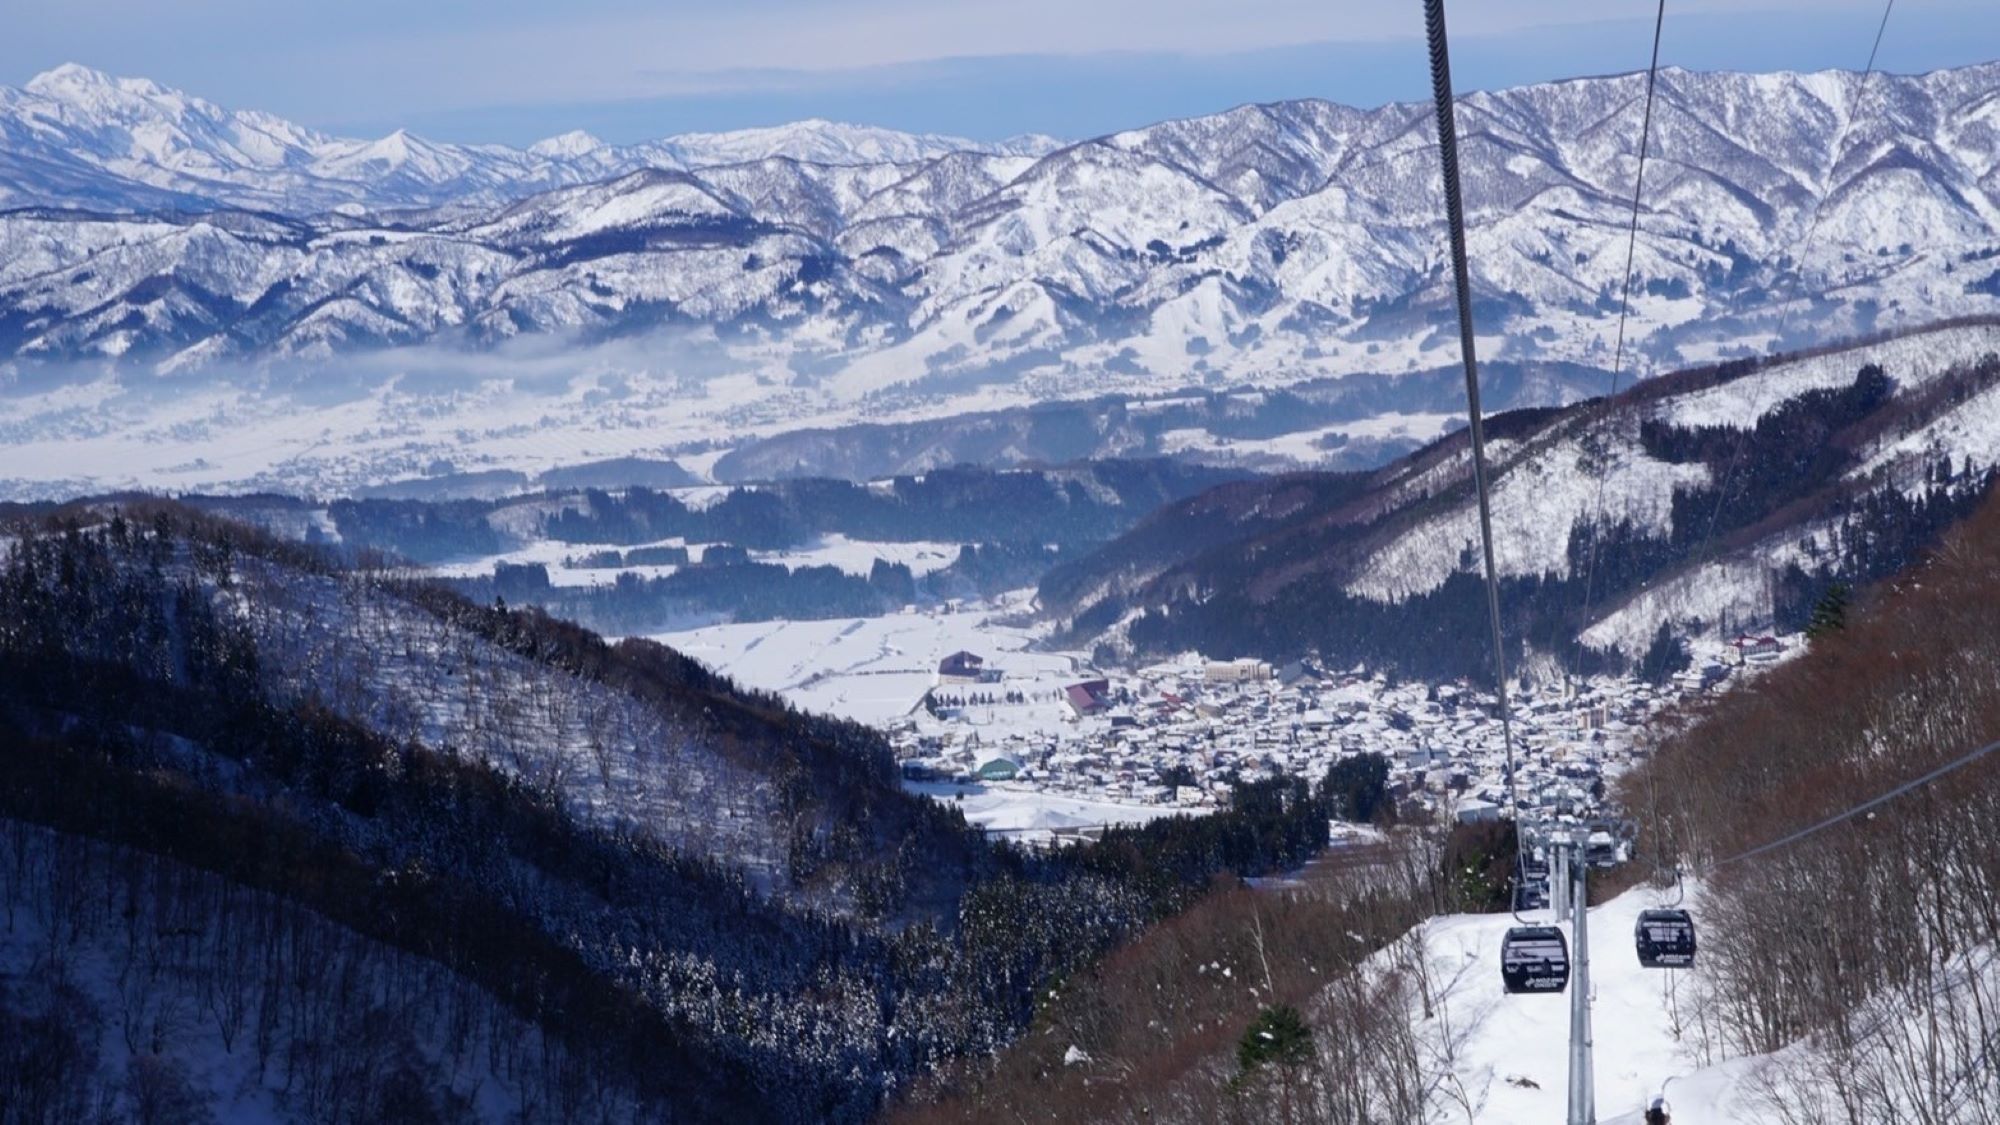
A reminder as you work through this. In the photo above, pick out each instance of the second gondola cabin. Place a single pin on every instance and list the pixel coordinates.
(1534, 959)
(1664, 939)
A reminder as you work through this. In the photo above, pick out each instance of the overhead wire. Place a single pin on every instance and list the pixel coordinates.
(1447, 131)
(1624, 310)
(1791, 838)
(1786, 307)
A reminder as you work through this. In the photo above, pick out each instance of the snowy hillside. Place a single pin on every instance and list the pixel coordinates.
(1509, 1054)
(1713, 499)
(814, 274)
(1596, 469)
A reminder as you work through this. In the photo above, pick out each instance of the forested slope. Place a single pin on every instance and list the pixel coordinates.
(1723, 497)
(711, 907)
(1864, 953)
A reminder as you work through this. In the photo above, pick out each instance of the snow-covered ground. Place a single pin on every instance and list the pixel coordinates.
(876, 670)
(857, 556)
(851, 556)
(557, 557)
(1507, 1039)
(1311, 446)
(1024, 812)
(1911, 360)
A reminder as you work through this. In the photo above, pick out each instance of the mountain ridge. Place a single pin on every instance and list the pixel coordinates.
(186, 145)
(1263, 247)
(1707, 501)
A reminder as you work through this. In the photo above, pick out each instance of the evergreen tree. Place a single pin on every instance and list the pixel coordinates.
(1277, 1036)
(1666, 656)
(1829, 614)
(1356, 788)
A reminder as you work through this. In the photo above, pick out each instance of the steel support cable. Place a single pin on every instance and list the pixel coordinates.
(1798, 270)
(1624, 310)
(1447, 130)
(1787, 840)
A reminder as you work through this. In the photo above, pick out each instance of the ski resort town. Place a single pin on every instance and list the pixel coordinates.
(1049, 761)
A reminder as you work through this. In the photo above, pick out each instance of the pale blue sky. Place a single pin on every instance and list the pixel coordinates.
(515, 70)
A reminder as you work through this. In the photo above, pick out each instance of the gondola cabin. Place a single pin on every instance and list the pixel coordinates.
(1534, 959)
(1531, 896)
(1601, 850)
(1665, 939)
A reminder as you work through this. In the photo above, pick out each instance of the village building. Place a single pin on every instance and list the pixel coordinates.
(961, 668)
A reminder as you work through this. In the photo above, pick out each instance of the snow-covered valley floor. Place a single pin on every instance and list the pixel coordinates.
(876, 670)
(1031, 814)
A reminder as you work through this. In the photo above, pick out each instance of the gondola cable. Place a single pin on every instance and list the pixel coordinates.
(1791, 838)
(1447, 130)
(1533, 959)
(1799, 273)
(1624, 310)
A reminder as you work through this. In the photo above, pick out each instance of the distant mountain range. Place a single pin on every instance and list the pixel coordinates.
(817, 273)
(77, 137)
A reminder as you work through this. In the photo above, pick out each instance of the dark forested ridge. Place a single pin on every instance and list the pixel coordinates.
(1270, 567)
(1086, 503)
(710, 906)
(1010, 528)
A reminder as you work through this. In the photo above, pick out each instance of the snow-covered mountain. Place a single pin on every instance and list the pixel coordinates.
(818, 274)
(1706, 501)
(74, 136)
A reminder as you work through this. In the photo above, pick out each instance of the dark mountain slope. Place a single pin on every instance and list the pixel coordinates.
(714, 908)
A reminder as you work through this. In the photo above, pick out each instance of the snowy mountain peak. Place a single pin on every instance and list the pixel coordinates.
(93, 92)
(1268, 244)
(817, 141)
(75, 136)
(67, 78)
(576, 142)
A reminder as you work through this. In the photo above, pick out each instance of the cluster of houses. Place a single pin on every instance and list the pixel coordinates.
(1181, 732)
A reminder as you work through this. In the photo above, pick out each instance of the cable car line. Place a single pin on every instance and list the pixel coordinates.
(1538, 958)
(1785, 308)
(1874, 802)
(1532, 958)
(1624, 309)
(1659, 948)
(1447, 129)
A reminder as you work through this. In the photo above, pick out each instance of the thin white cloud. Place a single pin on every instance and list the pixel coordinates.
(554, 55)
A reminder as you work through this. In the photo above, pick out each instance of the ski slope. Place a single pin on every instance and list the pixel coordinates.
(1496, 1043)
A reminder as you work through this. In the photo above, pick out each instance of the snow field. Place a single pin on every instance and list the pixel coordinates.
(1538, 497)
(1911, 361)
(875, 670)
(1026, 814)
(851, 556)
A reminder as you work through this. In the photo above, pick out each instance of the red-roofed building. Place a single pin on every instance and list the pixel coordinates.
(1091, 697)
